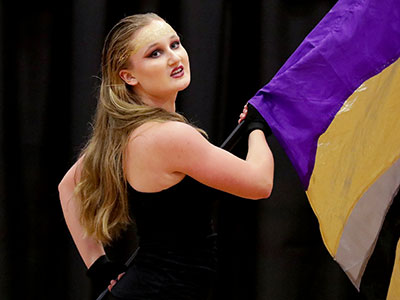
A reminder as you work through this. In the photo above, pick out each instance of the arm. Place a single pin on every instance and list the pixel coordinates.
(88, 248)
(177, 148)
(260, 157)
(251, 178)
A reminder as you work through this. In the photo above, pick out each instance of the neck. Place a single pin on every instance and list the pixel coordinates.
(167, 103)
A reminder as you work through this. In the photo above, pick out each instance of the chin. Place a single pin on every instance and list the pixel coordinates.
(184, 84)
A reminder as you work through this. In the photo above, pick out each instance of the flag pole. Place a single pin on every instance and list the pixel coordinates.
(234, 137)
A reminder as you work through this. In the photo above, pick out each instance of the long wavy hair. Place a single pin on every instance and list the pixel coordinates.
(102, 188)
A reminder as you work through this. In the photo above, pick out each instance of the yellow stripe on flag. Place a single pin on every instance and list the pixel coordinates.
(361, 143)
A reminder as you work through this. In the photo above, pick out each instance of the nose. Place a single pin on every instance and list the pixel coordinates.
(173, 57)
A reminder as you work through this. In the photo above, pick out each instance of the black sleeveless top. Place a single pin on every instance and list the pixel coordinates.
(176, 218)
(177, 256)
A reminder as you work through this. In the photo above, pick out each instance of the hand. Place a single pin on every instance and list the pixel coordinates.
(254, 120)
(102, 270)
(113, 282)
(243, 114)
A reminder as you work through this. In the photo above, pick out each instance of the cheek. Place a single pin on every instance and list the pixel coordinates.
(185, 56)
(187, 63)
(152, 77)
(148, 71)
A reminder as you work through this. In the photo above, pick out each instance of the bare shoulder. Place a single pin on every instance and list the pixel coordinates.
(173, 129)
(153, 152)
(161, 135)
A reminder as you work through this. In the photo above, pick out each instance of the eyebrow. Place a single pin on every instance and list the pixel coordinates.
(154, 44)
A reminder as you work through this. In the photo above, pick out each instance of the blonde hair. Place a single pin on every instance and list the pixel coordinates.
(102, 189)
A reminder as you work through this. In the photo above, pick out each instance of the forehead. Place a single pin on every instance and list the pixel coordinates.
(151, 33)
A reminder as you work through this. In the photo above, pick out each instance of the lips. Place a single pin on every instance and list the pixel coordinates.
(177, 72)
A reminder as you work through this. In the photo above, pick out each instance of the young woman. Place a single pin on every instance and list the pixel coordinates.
(146, 159)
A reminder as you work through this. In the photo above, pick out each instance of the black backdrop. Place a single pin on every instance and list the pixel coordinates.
(49, 56)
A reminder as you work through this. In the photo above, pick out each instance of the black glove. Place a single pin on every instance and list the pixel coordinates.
(102, 271)
(255, 121)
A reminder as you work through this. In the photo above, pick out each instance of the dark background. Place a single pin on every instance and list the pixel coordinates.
(49, 68)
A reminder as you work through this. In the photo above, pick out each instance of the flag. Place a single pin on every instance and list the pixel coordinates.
(334, 107)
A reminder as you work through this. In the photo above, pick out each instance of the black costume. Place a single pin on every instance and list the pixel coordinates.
(177, 256)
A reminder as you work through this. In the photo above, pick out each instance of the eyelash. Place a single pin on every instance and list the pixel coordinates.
(172, 46)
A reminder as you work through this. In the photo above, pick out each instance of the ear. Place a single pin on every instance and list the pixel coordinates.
(128, 77)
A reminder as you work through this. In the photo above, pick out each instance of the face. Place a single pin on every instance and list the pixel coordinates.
(158, 64)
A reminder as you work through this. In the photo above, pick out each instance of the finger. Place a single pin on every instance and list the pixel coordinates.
(120, 275)
(111, 285)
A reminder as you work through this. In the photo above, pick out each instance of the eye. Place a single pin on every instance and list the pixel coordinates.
(175, 45)
(155, 53)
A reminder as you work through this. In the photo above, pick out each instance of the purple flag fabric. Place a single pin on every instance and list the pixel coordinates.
(356, 40)
(334, 107)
